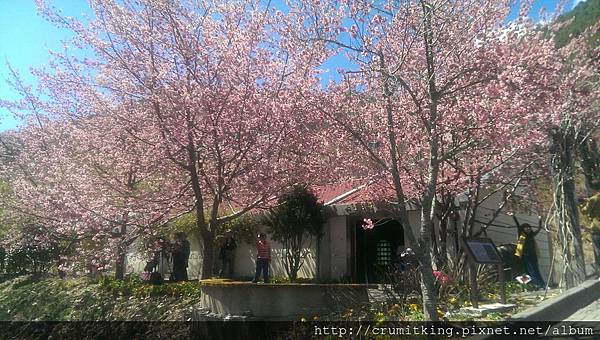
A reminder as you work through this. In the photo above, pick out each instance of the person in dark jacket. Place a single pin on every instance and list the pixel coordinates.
(227, 255)
(527, 251)
(181, 254)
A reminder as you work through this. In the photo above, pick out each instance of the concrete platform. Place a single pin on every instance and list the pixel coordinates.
(280, 301)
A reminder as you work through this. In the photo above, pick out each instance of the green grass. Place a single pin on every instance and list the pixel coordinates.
(52, 299)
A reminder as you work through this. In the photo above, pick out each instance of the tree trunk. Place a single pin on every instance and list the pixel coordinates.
(444, 209)
(427, 282)
(565, 208)
(435, 253)
(208, 255)
(205, 231)
(423, 247)
(294, 268)
(288, 260)
(293, 259)
(443, 253)
(590, 164)
(429, 295)
(121, 251)
(428, 196)
(120, 263)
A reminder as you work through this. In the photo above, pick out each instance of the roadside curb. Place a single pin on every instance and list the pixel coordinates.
(560, 307)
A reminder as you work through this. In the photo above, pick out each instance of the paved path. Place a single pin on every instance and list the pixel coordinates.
(589, 313)
(592, 311)
(577, 326)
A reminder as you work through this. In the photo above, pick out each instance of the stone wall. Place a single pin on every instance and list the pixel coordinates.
(280, 301)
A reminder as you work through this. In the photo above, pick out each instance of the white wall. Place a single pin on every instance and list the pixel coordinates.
(244, 265)
(508, 232)
(136, 259)
(335, 247)
(245, 260)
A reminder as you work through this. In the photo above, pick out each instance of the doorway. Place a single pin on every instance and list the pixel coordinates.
(375, 250)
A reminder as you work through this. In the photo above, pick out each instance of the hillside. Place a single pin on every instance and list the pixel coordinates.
(53, 299)
(586, 14)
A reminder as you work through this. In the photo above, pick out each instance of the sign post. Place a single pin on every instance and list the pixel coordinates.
(483, 251)
(502, 283)
(474, 286)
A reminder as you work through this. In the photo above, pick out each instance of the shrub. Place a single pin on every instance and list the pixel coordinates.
(30, 259)
(44, 298)
(296, 218)
(133, 286)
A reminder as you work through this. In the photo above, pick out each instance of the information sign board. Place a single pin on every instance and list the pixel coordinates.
(482, 250)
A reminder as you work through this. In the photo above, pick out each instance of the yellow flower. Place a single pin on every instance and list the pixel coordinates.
(413, 307)
(315, 318)
(303, 319)
(453, 300)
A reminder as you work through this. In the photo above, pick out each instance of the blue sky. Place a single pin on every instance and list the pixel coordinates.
(25, 39)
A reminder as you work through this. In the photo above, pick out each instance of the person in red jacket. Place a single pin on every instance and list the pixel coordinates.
(263, 258)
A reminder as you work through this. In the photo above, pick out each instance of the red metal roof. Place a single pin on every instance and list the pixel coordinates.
(346, 193)
(352, 192)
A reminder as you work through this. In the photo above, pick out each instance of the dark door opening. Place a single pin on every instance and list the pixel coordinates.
(376, 250)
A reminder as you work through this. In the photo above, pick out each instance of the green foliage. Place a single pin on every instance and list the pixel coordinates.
(297, 216)
(244, 228)
(298, 213)
(185, 223)
(591, 212)
(6, 225)
(282, 279)
(586, 14)
(30, 298)
(511, 287)
(133, 286)
(29, 259)
(22, 252)
(592, 208)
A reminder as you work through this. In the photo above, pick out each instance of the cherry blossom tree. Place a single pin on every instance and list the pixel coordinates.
(86, 188)
(204, 98)
(577, 118)
(437, 94)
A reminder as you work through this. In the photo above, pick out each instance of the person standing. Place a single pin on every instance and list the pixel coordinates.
(227, 255)
(527, 251)
(181, 255)
(263, 258)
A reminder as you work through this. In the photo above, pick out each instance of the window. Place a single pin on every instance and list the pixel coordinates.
(384, 253)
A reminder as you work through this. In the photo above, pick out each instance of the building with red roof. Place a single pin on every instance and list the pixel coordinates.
(349, 252)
